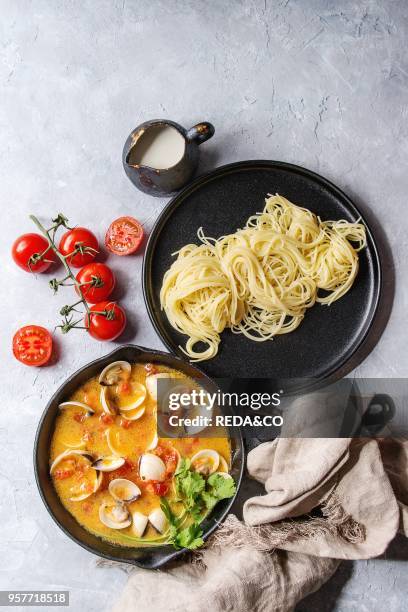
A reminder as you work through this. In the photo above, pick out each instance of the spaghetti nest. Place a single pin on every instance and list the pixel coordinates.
(260, 280)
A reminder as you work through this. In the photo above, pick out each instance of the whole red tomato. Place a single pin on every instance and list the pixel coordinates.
(27, 250)
(106, 321)
(97, 280)
(81, 243)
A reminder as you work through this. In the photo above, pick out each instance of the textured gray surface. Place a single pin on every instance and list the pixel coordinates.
(319, 83)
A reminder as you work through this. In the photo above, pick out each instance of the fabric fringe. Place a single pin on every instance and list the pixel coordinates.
(125, 567)
(345, 526)
(334, 521)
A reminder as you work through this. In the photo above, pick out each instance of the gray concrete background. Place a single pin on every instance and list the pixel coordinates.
(318, 83)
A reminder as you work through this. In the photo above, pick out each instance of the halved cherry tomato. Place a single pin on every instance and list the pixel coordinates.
(26, 252)
(124, 236)
(32, 345)
(98, 282)
(82, 239)
(106, 321)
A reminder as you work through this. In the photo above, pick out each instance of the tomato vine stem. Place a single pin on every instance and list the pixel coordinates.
(49, 233)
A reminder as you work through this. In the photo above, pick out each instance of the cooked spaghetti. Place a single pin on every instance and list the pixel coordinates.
(260, 280)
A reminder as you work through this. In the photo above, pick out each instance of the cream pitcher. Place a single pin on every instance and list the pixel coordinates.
(160, 156)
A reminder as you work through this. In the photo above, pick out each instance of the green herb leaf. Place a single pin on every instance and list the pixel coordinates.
(190, 537)
(183, 467)
(165, 506)
(218, 488)
(191, 485)
(221, 487)
(209, 500)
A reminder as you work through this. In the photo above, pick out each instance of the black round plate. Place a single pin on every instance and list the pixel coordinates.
(221, 202)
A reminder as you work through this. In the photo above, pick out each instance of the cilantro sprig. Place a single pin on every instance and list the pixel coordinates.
(218, 488)
(188, 537)
(198, 496)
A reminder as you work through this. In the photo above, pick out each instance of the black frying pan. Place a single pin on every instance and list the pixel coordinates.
(221, 202)
(151, 557)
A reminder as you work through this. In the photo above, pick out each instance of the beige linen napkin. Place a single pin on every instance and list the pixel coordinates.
(346, 480)
(227, 579)
(394, 454)
(325, 499)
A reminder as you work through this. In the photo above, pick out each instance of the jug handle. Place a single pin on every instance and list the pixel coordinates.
(200, 132)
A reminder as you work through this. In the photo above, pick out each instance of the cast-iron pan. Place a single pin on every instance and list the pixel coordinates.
(221, 202)
(151, 557)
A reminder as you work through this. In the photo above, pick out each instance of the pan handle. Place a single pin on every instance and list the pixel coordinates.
(380, 412)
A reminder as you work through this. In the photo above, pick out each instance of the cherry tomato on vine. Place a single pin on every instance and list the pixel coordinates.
(26, 252)
(82, 239)
(32, 345)
(106, 321)
(98, 282)
(124, 236)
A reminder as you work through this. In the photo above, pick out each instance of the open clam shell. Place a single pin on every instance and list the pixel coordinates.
(151, 467)
(106, 404)
(124, 490)
(111, 440)
(115, 517)
(84, 490)
(108, 464)
(113, 372)
(206, 461)
(74, 404)
(82, 496)
(133, 415)
(223, 465)
(158, 519)
(224, 474)
(68, 453)
(154, 442)
(139, 523)
(139, 393)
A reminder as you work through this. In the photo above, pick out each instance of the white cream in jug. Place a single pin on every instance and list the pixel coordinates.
(159, 147)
